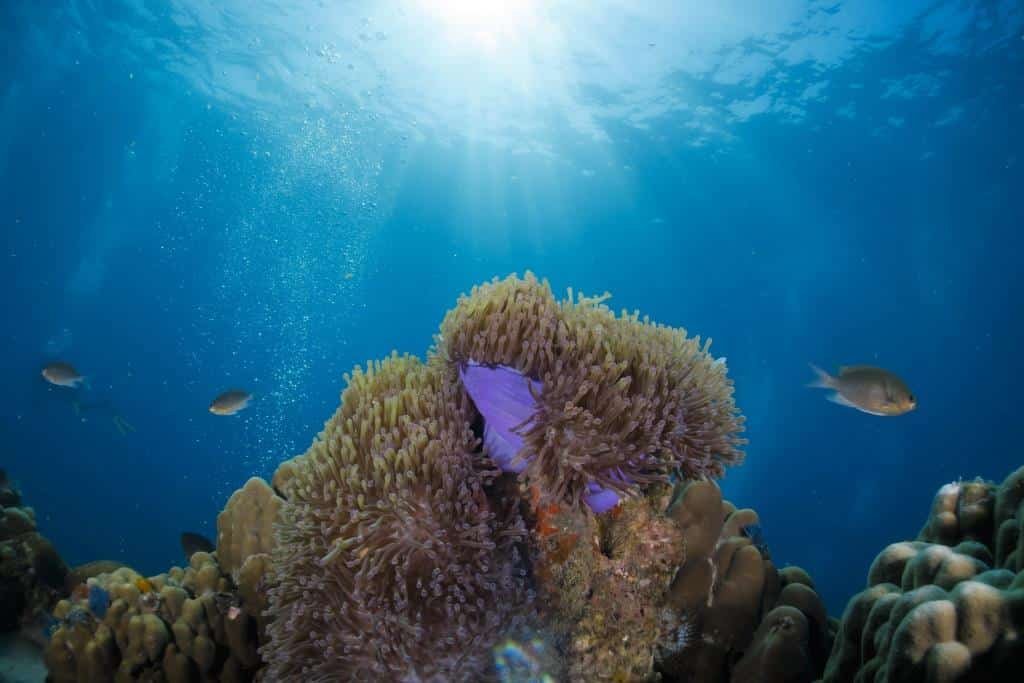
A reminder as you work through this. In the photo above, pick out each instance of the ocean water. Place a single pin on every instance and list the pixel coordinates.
(197, 195)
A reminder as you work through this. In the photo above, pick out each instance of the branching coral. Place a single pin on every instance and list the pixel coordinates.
(618, 401)
(393, 563)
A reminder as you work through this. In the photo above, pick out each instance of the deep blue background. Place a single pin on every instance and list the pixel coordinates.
(219, 257)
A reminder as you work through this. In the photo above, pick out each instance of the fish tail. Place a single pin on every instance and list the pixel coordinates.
(823, 380)
(85, 383)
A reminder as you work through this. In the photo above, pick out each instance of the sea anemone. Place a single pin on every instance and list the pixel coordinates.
(392, 561)
(588, 405)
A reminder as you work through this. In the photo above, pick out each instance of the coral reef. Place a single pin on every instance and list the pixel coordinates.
(949, 605)
(670, 587)
(619, 402)
(83, 572)
(32, 574)
(392, 562)
(395, 549)
(245, 540)
(185, 626)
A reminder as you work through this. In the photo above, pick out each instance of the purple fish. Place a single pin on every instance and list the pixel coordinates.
(504, 398)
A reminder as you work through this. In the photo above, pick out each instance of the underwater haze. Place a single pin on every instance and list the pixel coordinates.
(199, 196)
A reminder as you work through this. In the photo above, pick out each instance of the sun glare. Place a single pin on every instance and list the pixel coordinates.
(487, 23)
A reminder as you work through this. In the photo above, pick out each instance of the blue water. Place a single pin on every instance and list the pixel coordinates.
(202, 195)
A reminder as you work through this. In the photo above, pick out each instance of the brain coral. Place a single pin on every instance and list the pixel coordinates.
(392, 562)
(948, 606)
(603, 403)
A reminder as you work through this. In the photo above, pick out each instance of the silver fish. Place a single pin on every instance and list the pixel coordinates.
(230, 402)
(62, 375)
(868, 389)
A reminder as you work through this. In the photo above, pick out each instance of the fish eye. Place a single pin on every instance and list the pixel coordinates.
(911, 398)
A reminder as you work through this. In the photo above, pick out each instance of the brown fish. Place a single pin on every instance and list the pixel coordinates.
(195, 543)
(868, 389)
(230, 402)
(62, 375)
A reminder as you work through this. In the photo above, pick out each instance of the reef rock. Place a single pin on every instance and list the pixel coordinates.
(32, 574)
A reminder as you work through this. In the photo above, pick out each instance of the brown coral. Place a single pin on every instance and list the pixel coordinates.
(668, 587)
(245, 540)
(32, 574)
(393, 563)
(725, 587)
(624, 402)
(947, 606)
(188, 626)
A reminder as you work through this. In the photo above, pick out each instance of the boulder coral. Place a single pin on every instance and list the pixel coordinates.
(949, 605)
(392, 561)
(741, 614)
(612, 403)
(185, 626)
(245, 540)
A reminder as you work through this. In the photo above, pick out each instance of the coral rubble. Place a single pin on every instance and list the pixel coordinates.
(948, 606)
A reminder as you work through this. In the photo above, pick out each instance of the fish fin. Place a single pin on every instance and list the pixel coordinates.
(842, 400)
(854, 368)
(823, 379)
(122, 425)
(839, 399)
(85, 383)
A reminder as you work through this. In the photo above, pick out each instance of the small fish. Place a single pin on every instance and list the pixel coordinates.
(868, 389)
(195, 543)
(62, 375)
(230, 402)
(143, 585)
